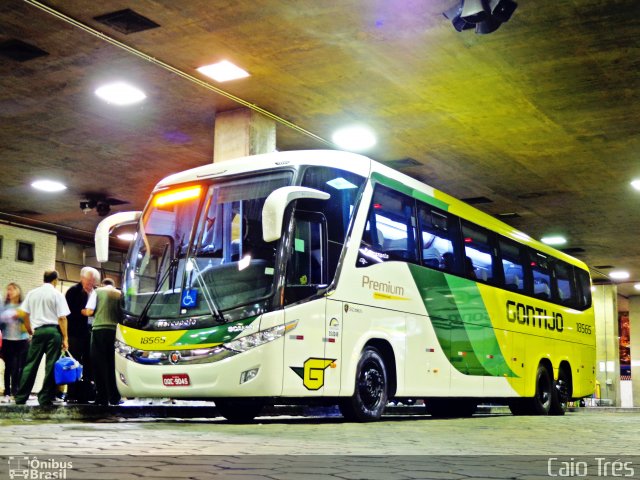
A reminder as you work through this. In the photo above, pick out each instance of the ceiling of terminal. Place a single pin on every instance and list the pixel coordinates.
(541, 117)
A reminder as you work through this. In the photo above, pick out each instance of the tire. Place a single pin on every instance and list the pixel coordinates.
(239, 410)
(370, 395)
(451, 407)
(561, 393)
(519, 406)
(540, 403)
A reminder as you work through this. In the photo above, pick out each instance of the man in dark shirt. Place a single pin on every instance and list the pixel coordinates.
(80, 334)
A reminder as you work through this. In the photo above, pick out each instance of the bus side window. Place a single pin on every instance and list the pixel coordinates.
(478, 253)
(344, 188)
(565, 289)
(512, 265)
(307, 269)
(436, 236)
(584, 288)
(390, 233)
(541, 275)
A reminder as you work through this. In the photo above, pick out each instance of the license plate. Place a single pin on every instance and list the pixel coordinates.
(176, 380)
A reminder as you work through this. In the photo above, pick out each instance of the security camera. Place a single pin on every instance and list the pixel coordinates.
(103, 209)
(84, 206)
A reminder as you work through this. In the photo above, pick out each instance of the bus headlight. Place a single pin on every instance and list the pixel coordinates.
(123, 349)
(259, 338)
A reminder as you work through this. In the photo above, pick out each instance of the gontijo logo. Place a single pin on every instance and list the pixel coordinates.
(312, 372)
(533, 316)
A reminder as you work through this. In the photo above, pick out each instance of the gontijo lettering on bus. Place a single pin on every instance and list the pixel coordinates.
(534, 316)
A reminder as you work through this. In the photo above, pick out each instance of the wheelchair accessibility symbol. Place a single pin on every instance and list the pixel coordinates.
(189, 298)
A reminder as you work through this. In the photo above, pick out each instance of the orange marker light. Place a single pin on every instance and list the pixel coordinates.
(178, 195)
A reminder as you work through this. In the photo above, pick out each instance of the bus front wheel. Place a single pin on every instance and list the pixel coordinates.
(239, 410)
(370, 396)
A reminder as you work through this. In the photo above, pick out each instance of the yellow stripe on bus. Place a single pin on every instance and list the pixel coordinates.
(165, 340)
(386, 296)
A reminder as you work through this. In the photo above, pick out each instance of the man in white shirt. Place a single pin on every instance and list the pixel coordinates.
(45, 313)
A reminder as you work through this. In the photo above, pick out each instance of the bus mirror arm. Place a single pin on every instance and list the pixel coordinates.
(105, 226)
(276, 204)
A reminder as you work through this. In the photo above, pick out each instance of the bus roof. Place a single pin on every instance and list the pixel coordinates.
(365, 167)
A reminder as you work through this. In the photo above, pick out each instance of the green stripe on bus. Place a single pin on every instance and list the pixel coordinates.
(478, 325)
(446, 320)
(461, 322)
(217, 334)
(402, 188)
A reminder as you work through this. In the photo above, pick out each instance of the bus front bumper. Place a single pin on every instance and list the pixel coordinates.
(256, 372)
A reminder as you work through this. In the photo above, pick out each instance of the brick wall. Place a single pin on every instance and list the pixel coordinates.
(27, 275)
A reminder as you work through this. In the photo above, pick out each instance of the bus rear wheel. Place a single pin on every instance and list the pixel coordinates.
(540, 403)
(370, 396)
(239, 410)
(450, 407)
(561, 392)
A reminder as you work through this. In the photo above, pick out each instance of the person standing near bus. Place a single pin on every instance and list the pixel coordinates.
(104, 305)
(79, 334)
(15, 339)
(44, 312)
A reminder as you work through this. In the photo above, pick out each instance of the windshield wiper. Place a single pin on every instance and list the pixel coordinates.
(172, 264)
(206, 293)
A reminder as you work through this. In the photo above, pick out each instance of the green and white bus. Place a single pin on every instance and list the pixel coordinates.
(324, 276)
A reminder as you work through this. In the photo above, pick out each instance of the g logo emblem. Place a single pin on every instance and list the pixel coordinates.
(312, 372)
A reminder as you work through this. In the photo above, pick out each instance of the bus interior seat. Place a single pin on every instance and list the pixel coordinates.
(512, 281)
(481, 273)
(431, 258)
(376, 241)
(541, 290)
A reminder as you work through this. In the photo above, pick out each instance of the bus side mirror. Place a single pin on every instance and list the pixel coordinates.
(277, 202)
(105, 226)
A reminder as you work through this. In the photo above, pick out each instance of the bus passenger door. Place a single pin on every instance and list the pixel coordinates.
(304, 361)
(304, 353)
(333, 347)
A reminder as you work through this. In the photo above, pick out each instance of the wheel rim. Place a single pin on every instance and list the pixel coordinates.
(371, 385)
(543, 390)
(563, 392)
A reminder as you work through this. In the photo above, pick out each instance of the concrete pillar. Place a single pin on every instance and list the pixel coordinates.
(607, 344)
(634, 331)
(242, 132)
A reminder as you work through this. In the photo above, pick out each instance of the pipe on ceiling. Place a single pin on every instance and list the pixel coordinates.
(174, 70)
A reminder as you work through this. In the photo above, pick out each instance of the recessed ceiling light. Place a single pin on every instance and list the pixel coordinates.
(619, 275)
(355, 139)
(120, 93)
(223, 71)
(127, 237)
(636, 184)
(341, 184)
(637, 286)
(48, 186)
(554, 240)
(593, 289)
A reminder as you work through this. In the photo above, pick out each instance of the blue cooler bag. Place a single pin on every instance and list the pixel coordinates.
(67, 369)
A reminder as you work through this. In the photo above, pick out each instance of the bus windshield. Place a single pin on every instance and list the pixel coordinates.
(185, 263)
